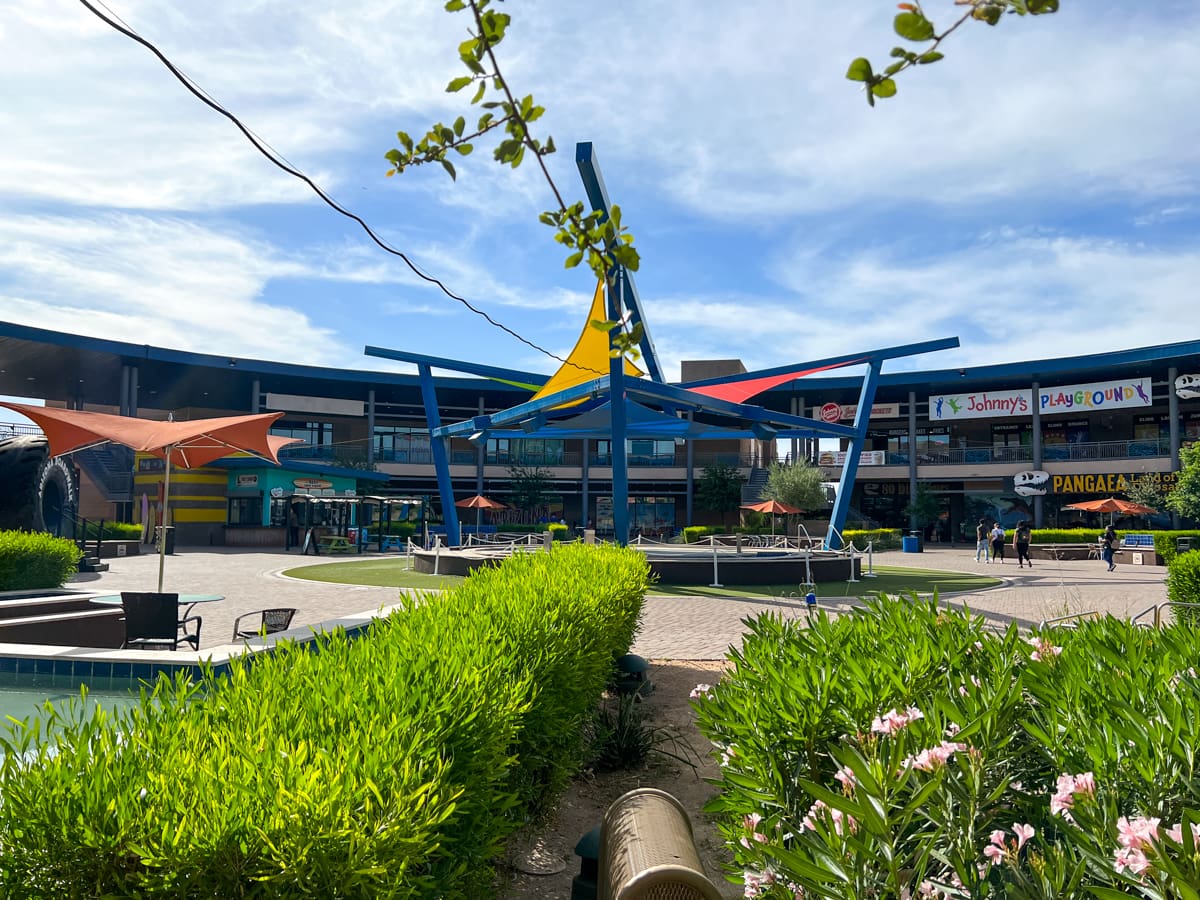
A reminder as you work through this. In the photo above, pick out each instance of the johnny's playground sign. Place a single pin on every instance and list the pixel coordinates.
(1074, 398)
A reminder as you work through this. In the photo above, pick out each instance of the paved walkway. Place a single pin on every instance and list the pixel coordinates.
(673, 627)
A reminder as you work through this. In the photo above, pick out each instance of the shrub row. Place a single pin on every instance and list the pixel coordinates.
(113, 531)
(907, 750)
(881, 538)
(32, 560)
(394, 765)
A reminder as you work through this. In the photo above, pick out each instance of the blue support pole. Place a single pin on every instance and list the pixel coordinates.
(441, 462)
(862, 419)
(620, 460)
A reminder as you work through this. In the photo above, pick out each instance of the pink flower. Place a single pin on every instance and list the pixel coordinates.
(1067, 788)
(1085, 783)
(1133, 860)
(892, 721)
(1138, 832)
(1175, 833)
(845, 777)
(935, 757)
(750, 822)
(701, 691)
(997, 837)
(994, 853)
(1042, 649)
(1023, 833)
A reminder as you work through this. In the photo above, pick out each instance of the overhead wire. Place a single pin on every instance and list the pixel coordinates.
(277, 159)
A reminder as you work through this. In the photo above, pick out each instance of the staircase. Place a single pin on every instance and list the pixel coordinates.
(110, 467)
(753, 489)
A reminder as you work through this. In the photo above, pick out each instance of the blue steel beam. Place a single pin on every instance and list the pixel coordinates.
(862, 419)
(441, 462)
(593, 184)
(616, 408)
(458, 365)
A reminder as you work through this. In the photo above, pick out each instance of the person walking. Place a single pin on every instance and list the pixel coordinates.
(981, 541)
(1021, 543)
(998, 543)
(1108, 543)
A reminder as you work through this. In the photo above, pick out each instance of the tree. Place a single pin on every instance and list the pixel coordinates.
(530, 486)
(924, 508)
(1185, 496)
(799, 484)
(1146, 490)
(912, 24)
(720, 489)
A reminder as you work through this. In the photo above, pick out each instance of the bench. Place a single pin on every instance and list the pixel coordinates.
(1141, 541)
(386, 541)
(335, 543)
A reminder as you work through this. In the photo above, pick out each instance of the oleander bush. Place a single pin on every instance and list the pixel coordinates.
(34, 560)
(906, 750)
(392, 765)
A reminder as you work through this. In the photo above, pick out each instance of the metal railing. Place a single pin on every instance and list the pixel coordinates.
(1104, 450)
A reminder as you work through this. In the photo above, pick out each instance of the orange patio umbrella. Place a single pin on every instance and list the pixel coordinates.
(774, 507)
(184, 444)
(1112, 506)
(479, 503)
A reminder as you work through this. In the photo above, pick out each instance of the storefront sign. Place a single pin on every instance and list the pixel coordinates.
(979, 405)
(1187, 387)
(247, 481)
(1099, 395)
(311, 484)
(1072, 398)
(838, 458)
(151, 464)
(1107, 484)
(833, 412)
(1031, 484)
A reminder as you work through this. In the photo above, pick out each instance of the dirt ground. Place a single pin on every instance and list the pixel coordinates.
(552, 845)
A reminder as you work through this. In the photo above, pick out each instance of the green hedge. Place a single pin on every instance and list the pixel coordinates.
(113, 531)
(1183, 584)
(1064, 535)
(29, 561)
(882, 538)
(394, 765)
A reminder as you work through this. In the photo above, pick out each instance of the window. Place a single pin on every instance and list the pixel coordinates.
(400, 444)
(245, 510)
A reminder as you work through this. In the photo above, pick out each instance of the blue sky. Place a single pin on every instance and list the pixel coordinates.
(1034, 194)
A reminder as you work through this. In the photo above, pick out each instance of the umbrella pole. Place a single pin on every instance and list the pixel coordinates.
(162, 534)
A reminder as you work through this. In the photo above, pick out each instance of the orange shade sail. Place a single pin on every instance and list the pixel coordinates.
(188, 444)
(774, 507)
(1113, 505)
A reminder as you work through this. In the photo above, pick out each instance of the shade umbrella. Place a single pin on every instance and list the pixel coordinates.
(479, 503)
(188, 445)
(774, 507)
(1112, 506)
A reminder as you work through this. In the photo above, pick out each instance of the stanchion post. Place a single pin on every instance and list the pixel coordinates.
(712, 542)
(437, 552)
(851, 579)
(870, 560)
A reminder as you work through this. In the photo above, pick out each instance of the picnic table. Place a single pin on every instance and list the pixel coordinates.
(335, 543)
(386, 541)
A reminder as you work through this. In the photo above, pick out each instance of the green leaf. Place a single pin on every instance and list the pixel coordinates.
(860, 69)
(931, 57)
(459, 124)
(458, 84)
(913, 26)
(449, 168)
(479, 93)
(573, 260)
(455, 5)
(885, 88)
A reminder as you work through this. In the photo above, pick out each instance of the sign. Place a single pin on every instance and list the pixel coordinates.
(311, 484)
(1072, 398)
(247, 481)
(838, 458)
(326, 405)
(848, 411)
(151, 464)
(1187, 387)
(1107, 484)
(1031, 484)
(276, 492)
(1101, 395)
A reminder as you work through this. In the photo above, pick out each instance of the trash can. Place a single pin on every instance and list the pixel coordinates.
(913, 542)
(169, 531)
(352, 534)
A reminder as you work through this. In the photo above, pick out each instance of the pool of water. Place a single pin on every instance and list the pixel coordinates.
(19, 700)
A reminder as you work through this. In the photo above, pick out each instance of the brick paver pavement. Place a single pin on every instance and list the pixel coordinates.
(686, 627)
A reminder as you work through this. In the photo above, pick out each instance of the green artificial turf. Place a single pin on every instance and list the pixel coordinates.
(374, 572)
(888, 580)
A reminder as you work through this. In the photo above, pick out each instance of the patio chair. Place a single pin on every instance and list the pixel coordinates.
(152, 622)
(272, 621)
